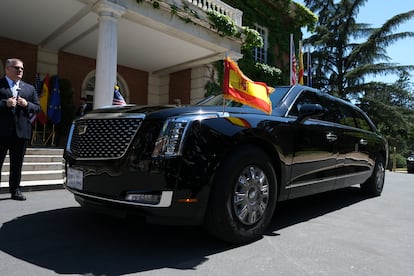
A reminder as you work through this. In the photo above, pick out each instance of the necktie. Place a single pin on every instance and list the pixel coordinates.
(14, 89)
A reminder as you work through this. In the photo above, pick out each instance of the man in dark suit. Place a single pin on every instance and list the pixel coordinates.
(84, 107)
(17, 100)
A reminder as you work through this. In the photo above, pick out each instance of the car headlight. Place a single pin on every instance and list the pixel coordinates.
(171, 137)
(410, 158)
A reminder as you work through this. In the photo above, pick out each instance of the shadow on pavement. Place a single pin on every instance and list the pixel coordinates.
(303, 209)
(70, 241)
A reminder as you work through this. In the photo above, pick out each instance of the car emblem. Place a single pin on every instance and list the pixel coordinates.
(82, 129)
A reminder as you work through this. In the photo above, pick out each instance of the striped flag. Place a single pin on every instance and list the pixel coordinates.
(38, 88)
(293, 64)
(44, 99)
(118, 99)
(301, 71)
(239, 88)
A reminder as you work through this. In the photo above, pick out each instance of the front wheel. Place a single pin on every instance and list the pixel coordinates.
(243, 197)
(375, 184)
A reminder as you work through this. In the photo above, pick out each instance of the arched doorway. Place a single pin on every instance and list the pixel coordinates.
(88, 87)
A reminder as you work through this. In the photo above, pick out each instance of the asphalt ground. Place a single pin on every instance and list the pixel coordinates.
(334, 233)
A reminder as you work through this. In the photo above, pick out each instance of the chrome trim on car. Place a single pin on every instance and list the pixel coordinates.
(306, 183)
(319, 181)
(166, 199)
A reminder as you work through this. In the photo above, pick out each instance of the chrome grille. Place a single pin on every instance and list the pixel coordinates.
(102, 138)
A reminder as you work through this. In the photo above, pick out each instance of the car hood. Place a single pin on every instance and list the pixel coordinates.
(164, 111)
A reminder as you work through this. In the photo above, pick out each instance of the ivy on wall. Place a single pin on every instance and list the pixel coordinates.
(280, 17)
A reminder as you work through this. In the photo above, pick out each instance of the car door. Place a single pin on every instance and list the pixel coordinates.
(313, 164)
(356, 148)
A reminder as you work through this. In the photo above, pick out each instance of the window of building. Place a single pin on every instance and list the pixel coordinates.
(260, 54)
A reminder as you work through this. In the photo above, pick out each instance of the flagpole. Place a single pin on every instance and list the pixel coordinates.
(44, 133)
(290, 60)
(309, 67)
(34, 132)
(53, 135)
(224, 70)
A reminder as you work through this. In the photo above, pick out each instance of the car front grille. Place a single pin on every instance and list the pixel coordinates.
(102, 138)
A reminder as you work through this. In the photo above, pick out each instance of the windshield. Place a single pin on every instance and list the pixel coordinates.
(276, 98)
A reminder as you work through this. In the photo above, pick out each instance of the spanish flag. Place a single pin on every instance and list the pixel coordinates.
(239, 88)
(301, 67)
(44, 100)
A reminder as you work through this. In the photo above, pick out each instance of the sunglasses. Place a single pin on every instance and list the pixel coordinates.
(18, 68)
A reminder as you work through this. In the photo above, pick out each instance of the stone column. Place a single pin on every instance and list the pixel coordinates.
(107, 54)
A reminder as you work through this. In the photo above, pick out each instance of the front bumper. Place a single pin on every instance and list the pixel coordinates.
(156, 197)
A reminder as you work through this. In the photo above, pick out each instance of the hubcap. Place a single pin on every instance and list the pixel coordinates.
(251, 195)
(380, 176)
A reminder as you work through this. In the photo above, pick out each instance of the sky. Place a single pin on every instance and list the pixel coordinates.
(376, 12)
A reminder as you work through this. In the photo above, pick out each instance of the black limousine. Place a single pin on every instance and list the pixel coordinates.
(221, 164)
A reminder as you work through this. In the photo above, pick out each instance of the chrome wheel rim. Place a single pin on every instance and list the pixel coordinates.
(251, 195)
(379, 177)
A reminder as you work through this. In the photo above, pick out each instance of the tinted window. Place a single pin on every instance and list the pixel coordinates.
(307, 97)
(337, 112)
(340, 113)
(361, 121)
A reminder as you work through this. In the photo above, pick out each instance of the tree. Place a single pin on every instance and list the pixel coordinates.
(341, 63)
(346, 53)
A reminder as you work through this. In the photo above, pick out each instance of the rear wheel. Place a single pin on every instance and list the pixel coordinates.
(243, 197)
(375, 184)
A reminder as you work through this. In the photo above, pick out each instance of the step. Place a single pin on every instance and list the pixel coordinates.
(37, 166)
(38, 158)
(35, 175)
(43, 168)
(42, 151)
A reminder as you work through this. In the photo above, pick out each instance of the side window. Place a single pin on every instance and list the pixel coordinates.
(347, 116)
(361, 121)
(307, 97)
(332, 113)
(339, 113)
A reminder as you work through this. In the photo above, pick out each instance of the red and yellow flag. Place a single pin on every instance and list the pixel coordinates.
(239, 88)
(44, 100)
(301, 71)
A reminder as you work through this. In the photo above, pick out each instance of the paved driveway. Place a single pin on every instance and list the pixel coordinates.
(336, 233)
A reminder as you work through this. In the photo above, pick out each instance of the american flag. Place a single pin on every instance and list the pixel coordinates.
(118, 99)
(293, 79)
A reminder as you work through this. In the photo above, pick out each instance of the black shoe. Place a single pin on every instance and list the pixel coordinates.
(17, 195)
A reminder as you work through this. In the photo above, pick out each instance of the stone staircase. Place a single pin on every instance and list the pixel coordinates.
(43, 168)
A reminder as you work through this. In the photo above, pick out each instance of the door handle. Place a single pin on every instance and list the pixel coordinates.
(331, 137)
(363, 142)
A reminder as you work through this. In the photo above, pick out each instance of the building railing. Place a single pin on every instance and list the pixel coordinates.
(221, 7)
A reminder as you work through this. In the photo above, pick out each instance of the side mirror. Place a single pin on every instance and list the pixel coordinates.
(307, 111)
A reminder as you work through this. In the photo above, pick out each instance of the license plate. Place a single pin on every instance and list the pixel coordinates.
(74, 179)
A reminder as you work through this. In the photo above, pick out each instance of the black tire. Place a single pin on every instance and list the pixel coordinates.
(241, 206)
(375, 184)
